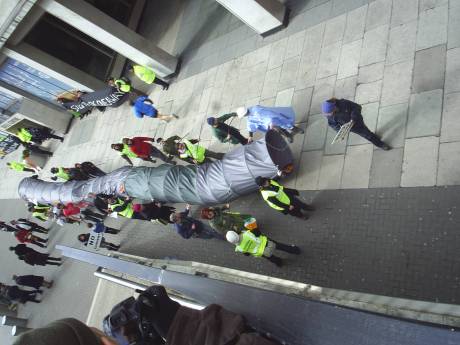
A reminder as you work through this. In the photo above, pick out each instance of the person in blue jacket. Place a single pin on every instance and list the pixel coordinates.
(143, 106)
(187, 226)
(263, 119)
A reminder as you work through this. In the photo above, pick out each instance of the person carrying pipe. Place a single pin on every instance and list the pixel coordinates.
(36, 135)
(282, 199)
(20, 167)
(224, 132)
(222, 219)
(195, 153)
(141, 147)
(188, 227)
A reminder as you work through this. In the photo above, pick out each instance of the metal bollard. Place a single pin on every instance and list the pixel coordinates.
(16, 330)
(13, 321)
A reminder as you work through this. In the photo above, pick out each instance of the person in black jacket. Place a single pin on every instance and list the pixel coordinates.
(89, 169)
(32, 257)
(341, 111)
(26, 224)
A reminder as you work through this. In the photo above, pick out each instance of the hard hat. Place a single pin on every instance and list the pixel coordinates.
(232, 237)
(241, 112)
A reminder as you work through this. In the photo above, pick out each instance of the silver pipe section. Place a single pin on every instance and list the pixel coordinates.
(136, 286)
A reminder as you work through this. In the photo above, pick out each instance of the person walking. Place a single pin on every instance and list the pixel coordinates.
(83, 238)
(36, 135)
(6, 227)
(14, 293)
(33, 257)
(101, 227)
(224, 132)
(187, 226)
(255, 244)
(122, 84)
(147, 75)
(263, 119)
(40, 211)
(195, 153)
(89, 169)
(138, 147)
(36, 149)
(28, 160)
(26, 236)
(68, 174)
(341, 111)
(143, 106)
(35, 282)
(222, 219)
(26, 224)
(169, 146)
(282, 199)
(20, 167)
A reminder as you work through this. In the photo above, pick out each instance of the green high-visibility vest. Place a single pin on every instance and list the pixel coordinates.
(17, 166)
(127, 151)
(197, 152)
(40, 212)
(40, 215)
(127, 212)
(280, 195)
(123, 85)
(24, 135)
(252, 244)
(62, 174)
(145, 74)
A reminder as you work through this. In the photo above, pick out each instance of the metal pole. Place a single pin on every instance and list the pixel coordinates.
(16, 330)
(13, 321)
(136, 286)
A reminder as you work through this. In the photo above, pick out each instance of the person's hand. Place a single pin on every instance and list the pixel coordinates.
(193, 226)
(195, 161)
(227, 206)
(291, 207)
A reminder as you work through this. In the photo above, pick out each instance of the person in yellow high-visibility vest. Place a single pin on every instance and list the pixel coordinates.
(282, 199)
(147, 75)
(252, 242)
(195, 153)
(20, 167)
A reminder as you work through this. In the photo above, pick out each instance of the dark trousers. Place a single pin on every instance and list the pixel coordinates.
(237, 135)
(38, 228)
(212, 154)
(362, 130)
(90, 215)
(155, 153)
(109, 246)
(53, 136)
(109, 230)
(29, 170)
(160, 82)
(37, 149)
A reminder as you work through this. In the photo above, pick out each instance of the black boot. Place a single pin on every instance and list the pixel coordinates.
(297, 130)
(288, 135)
(276, 260)
(288, 248)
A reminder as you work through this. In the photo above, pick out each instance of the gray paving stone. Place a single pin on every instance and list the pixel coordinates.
(335, 28)
(429, 69)
(256, 81)
(315, 135)
(397, 81)
(370, 113)
(314, 39)
(204, 101)
(318, 14)
(308, 172)
(349, 59)
(449, 164)
(346, 88)
(357, 166)
(379, 13)
(369, 92)
(425, 114)
(432, 27)
(331, 172)
(452, 71)
(277, 52)
(268, 102)
(453, 38)
(344, 6)
(338, 148)
(402, 42)
(386, 168)
(295, 44)
(329, 60)
(356, 20)
(429, 4)
(288, 77)
(301, 103)
(370, 73)
(307, 70)
(450, 127)
(270, 87)
(420, 162)
(323, 90)
(404, 11)
(391, 124)
(374, 45)
(284, 98)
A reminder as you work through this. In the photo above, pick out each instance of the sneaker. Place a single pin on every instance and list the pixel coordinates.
(309, 207)
(295, 250)
(165, 87)
(385, 147)
(175, 116)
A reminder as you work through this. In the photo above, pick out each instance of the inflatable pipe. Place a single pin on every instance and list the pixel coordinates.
(208, 184)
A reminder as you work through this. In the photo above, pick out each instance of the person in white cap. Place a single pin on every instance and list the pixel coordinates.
(263, 119)
(252, 242)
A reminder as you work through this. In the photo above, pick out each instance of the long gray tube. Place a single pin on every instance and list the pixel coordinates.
(207, 184)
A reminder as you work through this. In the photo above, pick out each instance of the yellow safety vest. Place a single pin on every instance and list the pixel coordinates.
(123, 85)
(280, 195)
(41, 212)
(62, 174)
(127, 151)
(24, 135)
(127, 212)
(145, 74)
(197, 152)
(17, 166)
(252, 244)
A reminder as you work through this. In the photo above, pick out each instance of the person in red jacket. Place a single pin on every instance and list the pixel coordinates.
(25, 236)
(143, 149)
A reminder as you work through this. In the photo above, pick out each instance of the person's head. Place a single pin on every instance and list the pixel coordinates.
(112, 200)
(82, 238)
(117, 147)
(111, 81)
(89, 225)
(31, 208)
(130, 68)
(54, 170)
(65, 331)
(212, 121)
(9, 164)
(160, 141)
(54, 178)
(328, 107)
(241, 112)
(25, 153)
(175, 217)
(262, 181)
(181, 147)
(127, 141)
(232, 237)
(207, 213)
(14, 222)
